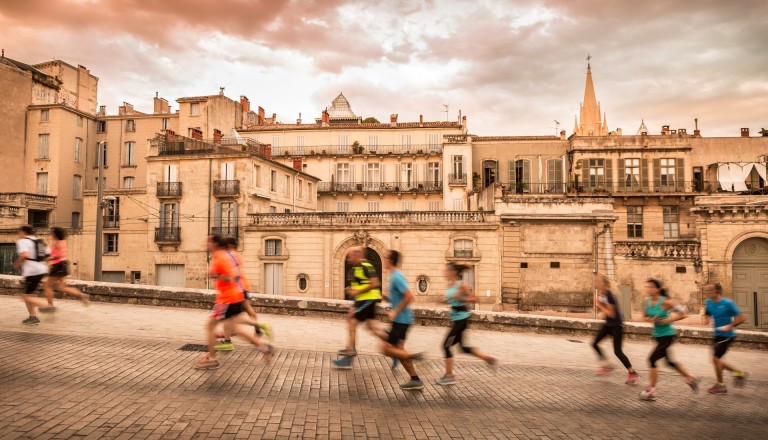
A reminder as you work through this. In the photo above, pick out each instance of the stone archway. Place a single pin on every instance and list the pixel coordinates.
(375, 250)
(372, 256)
(750, 280)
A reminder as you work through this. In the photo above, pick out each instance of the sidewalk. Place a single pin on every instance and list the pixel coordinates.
(115, 371)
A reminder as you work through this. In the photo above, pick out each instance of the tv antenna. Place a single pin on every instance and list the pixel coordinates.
(557, 128)
(445, 106)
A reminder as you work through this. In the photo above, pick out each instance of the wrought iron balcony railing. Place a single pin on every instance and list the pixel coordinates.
(457, 179)
(169, 189)
(226, 188)
(226, 231)
(350, 187)
(168, 235)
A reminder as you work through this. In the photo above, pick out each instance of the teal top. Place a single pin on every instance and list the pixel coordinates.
(657, 311)
(450, 295)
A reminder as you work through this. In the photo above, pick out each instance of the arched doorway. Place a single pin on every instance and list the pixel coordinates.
(750, 281)
(372, 256)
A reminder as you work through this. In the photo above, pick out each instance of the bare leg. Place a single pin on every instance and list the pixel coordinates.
(407, 363)
(48, 289)
(352, 332)
(249, 309)
(653, 376)
(682, 370)
(32, 302)
(210, 334)
(378, 332)
(720, 365)
(477, 353)
(61, 286)
(449, 366)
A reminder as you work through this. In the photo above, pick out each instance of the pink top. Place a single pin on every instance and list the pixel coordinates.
(59, 251)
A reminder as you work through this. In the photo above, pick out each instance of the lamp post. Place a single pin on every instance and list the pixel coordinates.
(99, 213)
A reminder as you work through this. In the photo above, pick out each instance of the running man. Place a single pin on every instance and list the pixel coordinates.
(59, 270)
(657, 310)
(228, 307)
(32, 254)
(726, 316)
(401, 315)
(606, 303)
(458, 296)
(365, 288)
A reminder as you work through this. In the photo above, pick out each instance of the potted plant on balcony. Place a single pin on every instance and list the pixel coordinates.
(357, 148)
(475, 179)
(520, 187)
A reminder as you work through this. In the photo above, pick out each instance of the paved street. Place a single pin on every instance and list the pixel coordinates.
(116, 371)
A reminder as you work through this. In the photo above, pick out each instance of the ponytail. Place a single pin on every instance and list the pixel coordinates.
(458, 268)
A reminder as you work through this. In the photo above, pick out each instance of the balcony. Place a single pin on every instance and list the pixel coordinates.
(226, 231)
(378, 187)
(348, 150)
(357, 219)
(457, 179)
(658, 250)
(650, 187)
(167, 235)
(26, 199)
(226, 188)
(168, 189)
(462, 253)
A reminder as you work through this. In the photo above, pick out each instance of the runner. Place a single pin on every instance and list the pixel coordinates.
(60, 270)
(228, 307)
(457, 296)
(726, 316)
(613, 326)
(365, 284)
(657, 308)
(31, 261)
(401, 315)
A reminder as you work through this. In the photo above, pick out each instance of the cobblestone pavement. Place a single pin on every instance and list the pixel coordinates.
(116, 371)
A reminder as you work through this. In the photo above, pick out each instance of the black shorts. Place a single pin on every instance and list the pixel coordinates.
(721, 345)
(365, 310)
(31, 283)
(60, 269)
(397, 333)
(246, 295)
(226, 311)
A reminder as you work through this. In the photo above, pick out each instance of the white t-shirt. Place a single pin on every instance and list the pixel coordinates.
(30, 268)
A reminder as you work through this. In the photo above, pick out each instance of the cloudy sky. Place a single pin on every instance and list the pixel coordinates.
(514, 67)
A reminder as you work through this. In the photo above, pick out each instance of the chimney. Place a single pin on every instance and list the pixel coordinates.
(161, 105)
(245, 104)
(298, 121)
(297, 164)
(562, 135)
(745, 132)
(325, 118)
(196, 133)
(274, 118)
(665, 129)
(682, 131)
(421, 120)
(268, 151)
(260, 121)
(393, 119)
(696, 131)
(102, 110)
(217, 136)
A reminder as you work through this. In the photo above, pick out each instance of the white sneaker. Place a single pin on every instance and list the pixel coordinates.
(649, 394)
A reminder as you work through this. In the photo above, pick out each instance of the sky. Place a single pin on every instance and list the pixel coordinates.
(512, 67)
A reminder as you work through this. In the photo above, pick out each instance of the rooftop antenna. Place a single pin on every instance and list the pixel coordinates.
(445, 106)
(557, 127)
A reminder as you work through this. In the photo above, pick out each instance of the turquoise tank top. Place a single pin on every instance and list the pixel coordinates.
(657, 311)
(450, 295)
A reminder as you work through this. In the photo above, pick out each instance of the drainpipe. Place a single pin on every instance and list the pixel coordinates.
(295, 180)
(597, 260)
(210, 190)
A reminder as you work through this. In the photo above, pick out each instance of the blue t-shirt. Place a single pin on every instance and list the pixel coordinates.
(450, 295)
(397, 288)
(722, 313)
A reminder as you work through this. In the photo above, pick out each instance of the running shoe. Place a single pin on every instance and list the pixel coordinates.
(348, 352)
(224, 346)
(718, 389)
(604, 370)
(32, 320)
(740, 378)
(693, 382)
(447, 380)
(418, 357)
(395, 363)
(343, 363)
(206, 364)
(649, 394)
(413, 384)
(493, 364)
(48, 310)
(632, 378)
(265, 329)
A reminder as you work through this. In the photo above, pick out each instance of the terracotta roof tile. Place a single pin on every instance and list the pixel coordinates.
(514, 138)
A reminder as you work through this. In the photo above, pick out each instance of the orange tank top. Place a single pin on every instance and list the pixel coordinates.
(59, 251)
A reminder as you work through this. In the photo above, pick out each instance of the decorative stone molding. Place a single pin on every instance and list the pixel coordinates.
(658, 250)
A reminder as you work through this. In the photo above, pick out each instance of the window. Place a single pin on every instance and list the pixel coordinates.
(194, 108)
(406, 175)
(112, 213)
(227, 171)
(373, 173)
(309, 191)
(110, 244)
(274, 248)
(462, 248)
(169, 216)
(287, 188)
(170, 173)
(79, 120)
(596, 172)
(256, 176)
(667, 172)
(130, 125)
(78, 149)
(130, 154)
(300, 189)
(434, 205)
(343, 174)
(405, 143)
(632, 173)
(458, 204)
(166, 124)
(42, 146)
(671, 217)
(128, 182)
(373, 206)
(45, 115)
(555, 175)
(302, 282)
(272, 210)
(273, 181)
(299, 144)
(407, 206)
(42, 183)
(342, 206)
(342, 143)
(634, 221)
(433, 172)
(458, 166)
(225, 218)
(100, 145)
(77, 182)
(135, 277)
(75, 220)
(520, 175)
(434, 142)
(276, 145)
(287, 210)
(373, 142)
(554, 265)
(101, 126)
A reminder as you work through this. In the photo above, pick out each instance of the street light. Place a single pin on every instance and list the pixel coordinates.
(99, 211)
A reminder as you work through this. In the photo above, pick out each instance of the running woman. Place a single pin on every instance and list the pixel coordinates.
(401, 315)
(32, 254)
(726, 316)
(657, 310)
(228, 307)
(365, 288)
(458, 296)
(60, 270)
(606, 303)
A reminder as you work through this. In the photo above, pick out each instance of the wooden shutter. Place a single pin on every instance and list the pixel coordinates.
(656, 174)
(608, 174)
(233, 223)
(217, 215)
(527, 171)
(622, 175)
(644, 175)
(680, 174)
(163, 207)
(512, 176)
(584, 172)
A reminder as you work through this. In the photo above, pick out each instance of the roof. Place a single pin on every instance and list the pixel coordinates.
(37, 74)
(359, 126)
(515, 138)
(200, 98)
(340, 109)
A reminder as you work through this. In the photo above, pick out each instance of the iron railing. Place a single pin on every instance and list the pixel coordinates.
(375, 218)
(462, 253)
(226, 187)
(169, 189)
(333, 187)
(346, 150)
(457, 179)
(226, 231)
(168, 235)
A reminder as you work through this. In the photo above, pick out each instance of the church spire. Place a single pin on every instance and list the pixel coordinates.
(590, 123)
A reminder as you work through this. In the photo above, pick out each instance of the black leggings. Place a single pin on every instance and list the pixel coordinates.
(662, 344)
(617, 333)
(455, 337)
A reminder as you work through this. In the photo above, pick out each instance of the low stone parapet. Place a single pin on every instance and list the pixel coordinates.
(321, 307)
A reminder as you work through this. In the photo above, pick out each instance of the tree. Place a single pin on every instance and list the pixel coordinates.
(370, 120)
